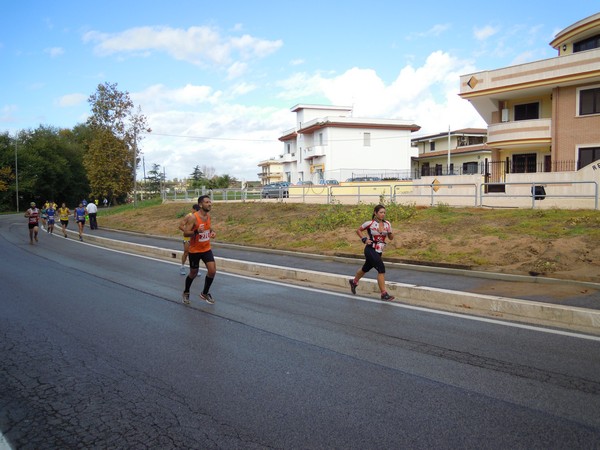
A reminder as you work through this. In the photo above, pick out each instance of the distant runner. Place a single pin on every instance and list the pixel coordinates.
(51, 213)
(33, 216)
(80, 213)
(63, 216)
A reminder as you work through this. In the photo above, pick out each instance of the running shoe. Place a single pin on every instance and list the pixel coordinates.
(207, 298)
(387, 297)
(353, 286)
(182, 271)
(186, 298)
(81, 238)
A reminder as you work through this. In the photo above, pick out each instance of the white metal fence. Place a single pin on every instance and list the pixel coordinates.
(539, 194)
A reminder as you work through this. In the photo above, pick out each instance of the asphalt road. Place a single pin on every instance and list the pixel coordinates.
(98, 351)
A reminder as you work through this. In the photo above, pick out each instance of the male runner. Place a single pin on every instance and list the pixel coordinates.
(80, 213)
(33, 214)
(186, 239)
(50, 214)
(63, 216)
(197, 227)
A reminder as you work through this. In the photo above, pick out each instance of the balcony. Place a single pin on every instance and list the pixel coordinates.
(314, 151)
(521, 132)
(287, 157)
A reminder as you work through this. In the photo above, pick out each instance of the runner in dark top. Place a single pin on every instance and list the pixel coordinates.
(33, 216)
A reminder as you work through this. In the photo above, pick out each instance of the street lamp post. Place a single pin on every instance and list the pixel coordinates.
(17, 170)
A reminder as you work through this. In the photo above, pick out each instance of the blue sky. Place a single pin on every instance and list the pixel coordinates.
(217, 79)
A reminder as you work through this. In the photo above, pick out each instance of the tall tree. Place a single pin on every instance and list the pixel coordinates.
(155, 179)
(108, 178)
(111, 162)
(49, 167)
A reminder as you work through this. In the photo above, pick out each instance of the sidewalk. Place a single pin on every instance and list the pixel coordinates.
(552, 302)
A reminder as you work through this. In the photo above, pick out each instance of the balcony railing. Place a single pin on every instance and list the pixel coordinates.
(496, 167)
(519, 130)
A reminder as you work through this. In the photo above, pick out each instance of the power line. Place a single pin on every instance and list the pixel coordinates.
(267, 140)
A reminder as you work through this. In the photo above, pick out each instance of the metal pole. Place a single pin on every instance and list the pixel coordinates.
(134, 168)
(449, 150)
(17, 170)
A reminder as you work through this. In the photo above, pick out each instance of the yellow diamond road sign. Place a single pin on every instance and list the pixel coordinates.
(435, 185)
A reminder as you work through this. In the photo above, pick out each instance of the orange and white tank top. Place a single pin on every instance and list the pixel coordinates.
(200, 242)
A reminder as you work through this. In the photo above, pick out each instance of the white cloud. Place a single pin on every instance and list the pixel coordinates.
(420, 94)
(434, 31)
(483, 33)
(233, 138)
(55, 51)
(7, 113)
(196, 45)
(158, 97)
(71, 100)
(236, 70)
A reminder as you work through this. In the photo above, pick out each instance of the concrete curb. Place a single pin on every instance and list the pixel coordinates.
(572, 318)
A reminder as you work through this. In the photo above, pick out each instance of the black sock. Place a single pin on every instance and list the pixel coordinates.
(207, 282)
(188, 283)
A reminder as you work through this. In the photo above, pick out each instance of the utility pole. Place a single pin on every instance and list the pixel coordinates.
(134, 167)
(17, 170)
(449, 150)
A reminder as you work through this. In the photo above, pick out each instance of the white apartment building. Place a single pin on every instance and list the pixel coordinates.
(328, 143)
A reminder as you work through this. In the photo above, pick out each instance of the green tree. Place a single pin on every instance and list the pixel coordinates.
(6, 178)
(49, 163)
(154, 179)
(116, 130)
(108, 178)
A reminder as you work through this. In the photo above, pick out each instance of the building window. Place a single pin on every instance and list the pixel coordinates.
(320, 138)
(527, 111)
(431, 146)
(525, 163)
(288, 148)
(469, 168)
(589, 101)
(587, 44)
(587, 156)
(367, 139)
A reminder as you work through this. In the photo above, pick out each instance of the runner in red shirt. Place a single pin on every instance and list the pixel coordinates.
(33, 214)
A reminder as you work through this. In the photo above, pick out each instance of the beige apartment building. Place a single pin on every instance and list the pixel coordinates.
(543, 116)
(271, 171)
(454, 152)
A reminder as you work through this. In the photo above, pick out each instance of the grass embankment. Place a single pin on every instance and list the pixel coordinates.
(518, 241)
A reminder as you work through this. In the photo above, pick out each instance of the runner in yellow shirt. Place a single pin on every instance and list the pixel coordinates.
(63, 216)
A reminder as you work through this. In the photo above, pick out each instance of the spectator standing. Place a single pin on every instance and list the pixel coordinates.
(92, 210)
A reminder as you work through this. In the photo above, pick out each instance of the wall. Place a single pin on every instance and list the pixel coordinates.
(571, 130)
